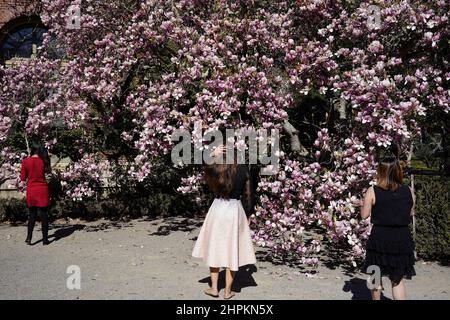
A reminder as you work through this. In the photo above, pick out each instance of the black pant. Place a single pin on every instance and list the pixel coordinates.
(42, 212)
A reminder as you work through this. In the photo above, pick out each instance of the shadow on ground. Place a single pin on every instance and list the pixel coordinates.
(264, 255)
(176, 224)
(243, 279)
(59, 232)
(64, 231)
(104, 226)
(333, 258)
(358, 287)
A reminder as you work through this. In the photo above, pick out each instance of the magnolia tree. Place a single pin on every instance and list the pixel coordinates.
(115, 79)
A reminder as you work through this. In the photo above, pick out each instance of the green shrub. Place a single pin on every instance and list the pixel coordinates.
(433, 217)
(12, 209)
(114, 206)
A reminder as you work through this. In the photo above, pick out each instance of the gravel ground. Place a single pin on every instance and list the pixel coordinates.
(144, 259)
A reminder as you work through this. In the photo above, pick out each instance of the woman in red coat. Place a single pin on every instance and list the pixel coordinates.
(33, 171)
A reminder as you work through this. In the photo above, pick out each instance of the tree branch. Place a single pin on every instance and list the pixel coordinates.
(293, 133)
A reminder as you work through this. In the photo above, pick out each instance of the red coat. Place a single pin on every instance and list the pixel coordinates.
(33, 171)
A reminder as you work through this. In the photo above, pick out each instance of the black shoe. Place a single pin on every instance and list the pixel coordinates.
(28, 241)
(45, 242)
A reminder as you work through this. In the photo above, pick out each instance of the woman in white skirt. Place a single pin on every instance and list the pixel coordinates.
(224, 239)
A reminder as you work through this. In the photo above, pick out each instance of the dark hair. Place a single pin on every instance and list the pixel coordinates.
(220, 176)
(39, 149)
(220, 179)
(389, 173)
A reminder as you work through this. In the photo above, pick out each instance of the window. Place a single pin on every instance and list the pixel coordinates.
(20, 38)
(22, 43)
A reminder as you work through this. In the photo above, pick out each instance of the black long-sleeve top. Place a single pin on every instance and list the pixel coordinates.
(243, 189)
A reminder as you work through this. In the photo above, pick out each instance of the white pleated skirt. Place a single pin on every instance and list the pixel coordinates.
(224, 239)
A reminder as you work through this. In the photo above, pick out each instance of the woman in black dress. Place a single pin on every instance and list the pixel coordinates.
(390, 246)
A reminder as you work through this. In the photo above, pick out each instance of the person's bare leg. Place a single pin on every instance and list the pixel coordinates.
(376, 294)
(213, 291)
(398, 290)
(229, 277)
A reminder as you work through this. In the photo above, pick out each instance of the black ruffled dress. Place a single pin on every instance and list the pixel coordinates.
(390, 245)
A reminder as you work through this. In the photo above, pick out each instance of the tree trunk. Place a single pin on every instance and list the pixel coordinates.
(296, 145)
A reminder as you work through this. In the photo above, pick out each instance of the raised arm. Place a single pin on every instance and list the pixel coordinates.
(23, 172)
(248, 197)
(369, 201)
(414, 201)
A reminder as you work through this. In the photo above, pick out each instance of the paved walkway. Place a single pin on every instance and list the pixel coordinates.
(151, 260)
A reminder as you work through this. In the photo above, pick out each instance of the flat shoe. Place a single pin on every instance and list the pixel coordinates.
(210, 294)
(232, 294)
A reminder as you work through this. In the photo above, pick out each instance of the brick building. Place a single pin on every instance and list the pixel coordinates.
(21, 29)
(21, 32)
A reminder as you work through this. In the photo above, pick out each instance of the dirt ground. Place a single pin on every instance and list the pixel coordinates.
(144, 259)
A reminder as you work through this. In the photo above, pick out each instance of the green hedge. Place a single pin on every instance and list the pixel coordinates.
(156, 202)
(13, 210)
(433, 217)
(157, 205)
